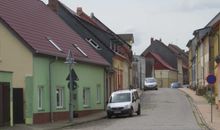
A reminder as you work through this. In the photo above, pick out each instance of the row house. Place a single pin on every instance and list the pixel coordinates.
(168, 62)
(204, 57)
(34, 42)
(111, 46)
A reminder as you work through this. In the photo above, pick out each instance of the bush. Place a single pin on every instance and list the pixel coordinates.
(209, 98)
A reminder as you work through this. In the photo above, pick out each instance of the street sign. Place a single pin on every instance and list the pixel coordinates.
(211, 79)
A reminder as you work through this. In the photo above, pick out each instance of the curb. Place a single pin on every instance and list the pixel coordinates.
(198, 115)
(77, 123)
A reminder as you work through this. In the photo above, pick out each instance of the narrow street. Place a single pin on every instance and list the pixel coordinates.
(165, 109)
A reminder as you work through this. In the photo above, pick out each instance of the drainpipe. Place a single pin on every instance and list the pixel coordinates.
(50, 90)
(105, 87)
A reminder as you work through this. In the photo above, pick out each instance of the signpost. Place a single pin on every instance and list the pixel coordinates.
(211, 79)
(70, 61)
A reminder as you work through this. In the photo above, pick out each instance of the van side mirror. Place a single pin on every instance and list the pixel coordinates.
(133, 99)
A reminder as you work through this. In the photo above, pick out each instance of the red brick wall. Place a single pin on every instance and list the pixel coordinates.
(40, 118)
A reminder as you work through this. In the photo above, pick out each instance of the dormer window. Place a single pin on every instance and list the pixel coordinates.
(93, 43)
(78, 48)
(54, 44)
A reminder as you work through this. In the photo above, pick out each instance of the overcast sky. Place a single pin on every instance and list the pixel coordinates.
(171, 20)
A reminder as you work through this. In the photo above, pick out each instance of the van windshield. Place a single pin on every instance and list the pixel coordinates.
(120, 97)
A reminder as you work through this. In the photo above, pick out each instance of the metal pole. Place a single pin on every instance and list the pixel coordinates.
(211, 104)
(71, 95)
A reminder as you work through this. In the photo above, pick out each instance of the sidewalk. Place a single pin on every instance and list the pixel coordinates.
(204, 108)
(58, 125)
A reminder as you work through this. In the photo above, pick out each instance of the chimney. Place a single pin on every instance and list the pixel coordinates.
(160, 40)
(79, 11)
(92, 15)
(53, 5)
(151, 40)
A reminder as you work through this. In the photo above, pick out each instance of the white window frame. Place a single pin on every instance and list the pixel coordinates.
(54, 44)
(93, 43)
(98, 94)
(60, 97)
(86, 96)
(78, 48)
(40, 97)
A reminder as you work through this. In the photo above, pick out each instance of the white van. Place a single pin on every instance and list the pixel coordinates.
(124, 102)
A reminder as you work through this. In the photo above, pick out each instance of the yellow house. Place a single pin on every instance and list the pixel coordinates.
(12, 76)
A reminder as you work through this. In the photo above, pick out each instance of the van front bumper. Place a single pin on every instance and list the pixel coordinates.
(118, 111)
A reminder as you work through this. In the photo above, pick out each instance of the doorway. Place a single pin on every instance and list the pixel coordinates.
(4, 104)
(18, 105)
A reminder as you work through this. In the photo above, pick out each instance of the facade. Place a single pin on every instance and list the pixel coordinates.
(92, 40)
(192, 63)
(206, 60)
(138, 74)
(182, 61)
(121, 61)
(33, 77)
(169, 62)
(164, 73)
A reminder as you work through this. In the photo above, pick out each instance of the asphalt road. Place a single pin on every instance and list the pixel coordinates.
(165, 109)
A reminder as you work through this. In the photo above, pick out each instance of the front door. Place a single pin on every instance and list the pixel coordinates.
(18, 106)
(4, 104)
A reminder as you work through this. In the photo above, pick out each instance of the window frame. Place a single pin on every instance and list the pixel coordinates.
(93, 43)
(40, 97)
(86, 96)
(61, 97)
(98, 94)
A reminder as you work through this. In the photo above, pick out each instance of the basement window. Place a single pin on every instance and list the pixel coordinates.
(78, 48)
(93, 43)
(54, 44)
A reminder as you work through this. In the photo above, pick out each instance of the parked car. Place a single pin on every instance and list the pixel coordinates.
(175, 85)
(150, 83)
(124, 102)
(185, 85)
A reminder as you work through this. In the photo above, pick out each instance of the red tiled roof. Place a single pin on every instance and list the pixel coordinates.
(84, 16)
(156, 56)
(34, 22)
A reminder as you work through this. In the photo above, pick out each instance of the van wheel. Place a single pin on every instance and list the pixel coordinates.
(109, 116)
(139, 110)
(131, 112)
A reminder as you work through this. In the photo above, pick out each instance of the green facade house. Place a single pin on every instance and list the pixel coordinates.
(34, 43)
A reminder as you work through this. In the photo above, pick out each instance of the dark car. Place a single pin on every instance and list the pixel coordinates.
(175, 85)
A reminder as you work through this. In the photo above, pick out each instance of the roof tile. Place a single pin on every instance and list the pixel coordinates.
(34, 22)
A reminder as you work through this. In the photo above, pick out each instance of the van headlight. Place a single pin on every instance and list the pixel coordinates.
(127, 107)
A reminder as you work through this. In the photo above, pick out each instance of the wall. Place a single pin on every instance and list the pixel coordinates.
(14, 57)
(90, 76)
(165, 77)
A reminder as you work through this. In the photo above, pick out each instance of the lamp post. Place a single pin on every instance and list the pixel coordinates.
(70, 61)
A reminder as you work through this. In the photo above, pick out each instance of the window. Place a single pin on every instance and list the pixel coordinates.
(93, 43)
(40, 98)
(110, 45)
(59, 97)
(86, 97)
(77, 47)
(98, 94)
(54, 44)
